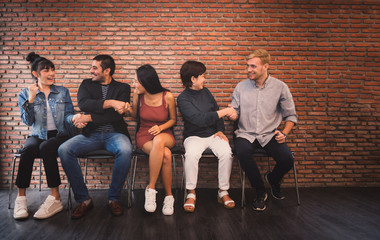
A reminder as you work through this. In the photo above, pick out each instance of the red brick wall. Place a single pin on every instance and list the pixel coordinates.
(326, 51)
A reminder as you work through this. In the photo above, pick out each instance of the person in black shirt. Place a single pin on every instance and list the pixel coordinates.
(203, 129)
(103, 101)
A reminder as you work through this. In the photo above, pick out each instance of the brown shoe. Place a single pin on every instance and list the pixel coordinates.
(116, 208)
(81, 209)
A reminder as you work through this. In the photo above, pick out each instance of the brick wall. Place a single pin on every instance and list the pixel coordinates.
(326, 51)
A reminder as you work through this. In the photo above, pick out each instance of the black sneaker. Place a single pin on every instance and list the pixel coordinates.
(259, 203)
(275, 189)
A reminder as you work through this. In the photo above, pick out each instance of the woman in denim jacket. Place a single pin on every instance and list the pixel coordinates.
(48, 109)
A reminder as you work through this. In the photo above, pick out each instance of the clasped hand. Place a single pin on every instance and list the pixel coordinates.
(232, 114)
(120, 106)
(79, 120)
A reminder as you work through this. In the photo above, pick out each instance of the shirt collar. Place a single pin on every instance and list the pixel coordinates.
(267, 81)
(54, 89)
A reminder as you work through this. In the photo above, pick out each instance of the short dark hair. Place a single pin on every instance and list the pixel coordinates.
(37, 63)
(106, 61)
(148, 78)
(191, 69)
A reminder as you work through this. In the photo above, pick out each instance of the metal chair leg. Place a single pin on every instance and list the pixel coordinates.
(183, 185)
(296, 182)
(85, 170)
(175, 172)
(39, 185)
(69, 204)
(11, 183)
(134, 162)
(129, 185)
(183, 172)
(242, 180)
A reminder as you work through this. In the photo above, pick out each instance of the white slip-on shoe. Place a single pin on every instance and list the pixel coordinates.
(150, 200)
(168, 208)
(21, 209)
(50, 207)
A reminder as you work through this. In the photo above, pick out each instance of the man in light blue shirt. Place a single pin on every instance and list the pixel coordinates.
(261, 103)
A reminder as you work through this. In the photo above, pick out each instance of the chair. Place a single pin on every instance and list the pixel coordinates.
(259, 152)
(176, 151)
(98, 154)
(15, 156)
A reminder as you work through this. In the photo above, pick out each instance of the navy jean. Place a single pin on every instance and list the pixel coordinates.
(279, 151)
(117, 143)
(47, 149)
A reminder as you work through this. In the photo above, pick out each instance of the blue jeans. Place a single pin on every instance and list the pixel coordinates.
(117, 143)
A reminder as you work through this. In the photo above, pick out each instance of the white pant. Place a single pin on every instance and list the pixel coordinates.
(194, 147)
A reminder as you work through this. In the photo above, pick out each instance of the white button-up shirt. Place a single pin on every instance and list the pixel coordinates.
(261, 110)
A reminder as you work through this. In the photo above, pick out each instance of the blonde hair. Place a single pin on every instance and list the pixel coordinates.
(262, 54)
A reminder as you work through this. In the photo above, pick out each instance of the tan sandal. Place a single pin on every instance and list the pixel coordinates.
(225, 203)
(191, 205)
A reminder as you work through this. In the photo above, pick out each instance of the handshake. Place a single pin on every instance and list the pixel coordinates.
(80, 120)
(121, 107)
(228, 112)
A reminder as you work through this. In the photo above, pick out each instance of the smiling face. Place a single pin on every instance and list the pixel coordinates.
(97, 73)
(139, 88)
(198, 82)
(256, 70)
(46, 76)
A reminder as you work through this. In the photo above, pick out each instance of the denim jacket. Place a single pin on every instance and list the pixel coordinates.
(35, 114)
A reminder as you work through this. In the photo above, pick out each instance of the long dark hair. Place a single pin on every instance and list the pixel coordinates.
(38, 63)
(148, 78)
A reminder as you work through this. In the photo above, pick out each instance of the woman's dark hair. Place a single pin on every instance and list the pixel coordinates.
(148, 78)
(38, 63)
(106, 61)
(191, 69)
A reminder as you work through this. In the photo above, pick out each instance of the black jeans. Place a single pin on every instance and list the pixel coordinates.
(280, 153)
(47, 150)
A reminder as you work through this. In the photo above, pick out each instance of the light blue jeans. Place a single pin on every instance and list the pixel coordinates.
(117, 143)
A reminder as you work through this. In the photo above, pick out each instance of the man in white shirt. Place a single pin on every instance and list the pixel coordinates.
(261, 103)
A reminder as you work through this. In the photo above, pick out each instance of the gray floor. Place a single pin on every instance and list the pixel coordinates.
(324, 213)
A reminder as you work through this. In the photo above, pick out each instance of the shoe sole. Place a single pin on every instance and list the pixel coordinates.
(115, 214)
(168, 214)
(220, 200)
(91, 206)
(271, 191)
(265, 207)
(260, 209)
(21, 217)
(150, 211)
(50, 215)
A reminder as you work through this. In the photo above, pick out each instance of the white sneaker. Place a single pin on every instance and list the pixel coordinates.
(48, 208)
(21, 209)
(150, 200)
(168, 208)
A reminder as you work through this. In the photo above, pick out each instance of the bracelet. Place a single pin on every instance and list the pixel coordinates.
(284, 134)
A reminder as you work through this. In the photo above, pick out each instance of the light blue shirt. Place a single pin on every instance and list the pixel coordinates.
(261, 110)
(35, 114)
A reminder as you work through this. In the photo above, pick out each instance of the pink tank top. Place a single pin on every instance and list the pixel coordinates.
(150, 116)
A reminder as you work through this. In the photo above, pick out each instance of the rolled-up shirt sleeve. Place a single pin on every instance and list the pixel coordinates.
(288, 109)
